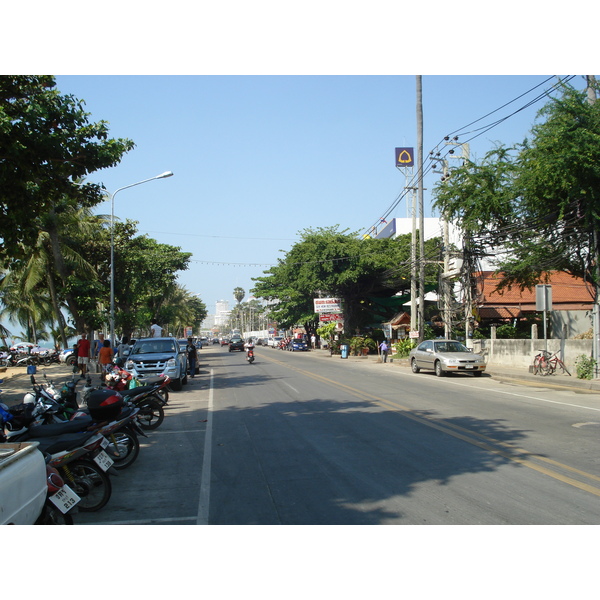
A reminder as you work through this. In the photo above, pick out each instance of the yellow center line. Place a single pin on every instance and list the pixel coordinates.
(508, 451)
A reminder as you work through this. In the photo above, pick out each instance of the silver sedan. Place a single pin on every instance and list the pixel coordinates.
(446, 356)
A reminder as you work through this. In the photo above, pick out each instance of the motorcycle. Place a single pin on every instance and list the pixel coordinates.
(106, 415)
(250, 355)
(120, 379)
(60, 501)
(79, 458)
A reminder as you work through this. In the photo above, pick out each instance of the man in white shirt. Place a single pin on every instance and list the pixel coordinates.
(156, 329)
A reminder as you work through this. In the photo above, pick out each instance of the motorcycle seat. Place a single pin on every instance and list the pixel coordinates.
(54, 429)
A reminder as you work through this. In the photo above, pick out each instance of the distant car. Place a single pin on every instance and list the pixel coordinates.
(215, 341)
(300, 345)
(446, 356)
(274, 341)
(225, 342)
(67, 356)
(236, 343)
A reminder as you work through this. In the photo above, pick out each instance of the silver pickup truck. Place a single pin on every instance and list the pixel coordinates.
(157, 356)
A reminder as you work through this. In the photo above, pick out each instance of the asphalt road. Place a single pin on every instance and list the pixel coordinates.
(304, 438)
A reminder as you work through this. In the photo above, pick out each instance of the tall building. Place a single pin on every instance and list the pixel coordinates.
(222, 312)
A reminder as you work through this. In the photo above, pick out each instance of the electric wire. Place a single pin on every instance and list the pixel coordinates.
(416, 179)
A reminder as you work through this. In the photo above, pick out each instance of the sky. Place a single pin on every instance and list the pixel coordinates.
(277, 118)
(259, 158)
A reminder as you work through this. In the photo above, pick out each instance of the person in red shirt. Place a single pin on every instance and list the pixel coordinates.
(83, 353)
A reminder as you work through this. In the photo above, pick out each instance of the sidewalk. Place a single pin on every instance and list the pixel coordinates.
(498, 372)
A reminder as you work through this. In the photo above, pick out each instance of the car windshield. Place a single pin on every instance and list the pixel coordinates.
(153, 347)
(449, 347)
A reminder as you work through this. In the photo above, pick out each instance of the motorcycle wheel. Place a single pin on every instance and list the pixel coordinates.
(163, 394)
(52, 516)
(151, 414)
(127, 448)
(89, 482)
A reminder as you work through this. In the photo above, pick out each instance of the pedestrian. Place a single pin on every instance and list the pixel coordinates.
(156, 329)
(105, 357)
(192, 355)
(83, 353)
(98, 344)
(122, 351)
(313, 342)
(384, 350)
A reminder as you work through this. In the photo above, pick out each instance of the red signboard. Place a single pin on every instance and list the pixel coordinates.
(328, 317)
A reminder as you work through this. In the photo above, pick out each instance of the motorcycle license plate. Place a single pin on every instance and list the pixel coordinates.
(65, 499)
(103, 460)
(104, 443)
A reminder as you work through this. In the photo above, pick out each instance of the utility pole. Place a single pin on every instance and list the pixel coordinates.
(591, 98)
(421, 216)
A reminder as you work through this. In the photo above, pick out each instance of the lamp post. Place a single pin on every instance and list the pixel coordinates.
(112, 249)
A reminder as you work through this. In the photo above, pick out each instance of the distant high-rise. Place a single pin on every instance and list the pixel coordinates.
(221, 312)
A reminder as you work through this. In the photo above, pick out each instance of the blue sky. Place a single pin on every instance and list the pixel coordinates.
(275, 117)
(256, 159)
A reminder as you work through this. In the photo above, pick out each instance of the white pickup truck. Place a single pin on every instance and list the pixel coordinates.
(23, 485)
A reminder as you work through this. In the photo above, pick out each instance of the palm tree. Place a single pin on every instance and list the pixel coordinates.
(238, 294)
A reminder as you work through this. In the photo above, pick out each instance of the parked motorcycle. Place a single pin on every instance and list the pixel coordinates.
(120, 379)
(60, 501)
(79, 458)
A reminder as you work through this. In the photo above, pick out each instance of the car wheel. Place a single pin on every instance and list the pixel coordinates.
(71, 360)
(176, 385)
(438, 369)
(413, 366)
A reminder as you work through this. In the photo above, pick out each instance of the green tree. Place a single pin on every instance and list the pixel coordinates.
(538, 201)
(46, 143)
(329, 262)
(238, 294)
(145, 277)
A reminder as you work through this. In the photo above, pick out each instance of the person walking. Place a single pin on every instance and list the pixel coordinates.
(105, 357)
(192, 356)
(83, 353)
(98, 344)
(384, 350)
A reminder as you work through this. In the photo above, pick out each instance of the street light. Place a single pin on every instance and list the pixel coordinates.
(112, 249)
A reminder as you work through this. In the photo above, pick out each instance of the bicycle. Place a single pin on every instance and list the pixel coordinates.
(546, 363)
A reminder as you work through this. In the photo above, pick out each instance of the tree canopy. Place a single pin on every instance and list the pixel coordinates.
(535, 204)
(332, 263)
(46, 143)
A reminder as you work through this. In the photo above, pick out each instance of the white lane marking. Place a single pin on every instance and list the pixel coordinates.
(293, 388)
(204, 501)
(523, 396)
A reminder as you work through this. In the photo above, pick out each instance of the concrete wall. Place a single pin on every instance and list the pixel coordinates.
(520, 353)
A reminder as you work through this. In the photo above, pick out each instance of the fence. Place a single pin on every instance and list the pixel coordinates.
(520, 353)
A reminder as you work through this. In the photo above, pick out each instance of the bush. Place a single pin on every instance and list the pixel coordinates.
(585, 366)
(402, 348)
(358, 343)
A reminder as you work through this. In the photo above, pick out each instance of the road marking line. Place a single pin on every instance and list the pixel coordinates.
(468, 435)
(204, 500)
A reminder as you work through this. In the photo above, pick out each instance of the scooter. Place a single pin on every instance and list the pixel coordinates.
(250, 355)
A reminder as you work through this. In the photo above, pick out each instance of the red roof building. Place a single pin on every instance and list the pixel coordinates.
(568, 293)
